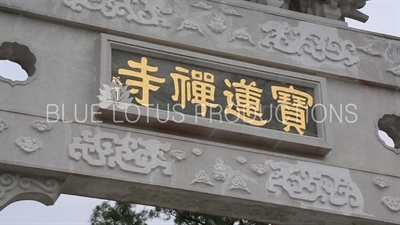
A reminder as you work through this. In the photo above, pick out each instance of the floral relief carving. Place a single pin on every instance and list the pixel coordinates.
(202, 5)
(11, 182)
(202, 177)
(239, 183)
(381, 183)
(189, 24)
(152, 13)
(217, 23)
(3, 125)
(318, 44)
(28, 144)
(220, 173)
(311, 184)
(259, 169)
(392, 203)
(368, 50)
(197, 151)
(231, 12)
(243, 35)
(395, 70)
(130, 154)
(241, 159)
(41, 126)
(180, 155)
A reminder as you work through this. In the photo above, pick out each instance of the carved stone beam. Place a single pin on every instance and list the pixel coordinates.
(17, 187)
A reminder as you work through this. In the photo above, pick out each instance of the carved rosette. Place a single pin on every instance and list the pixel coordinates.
(197, 151)
(381, 183)
(259, 169)
(144, 12)
(41, 126)
(392, 203)
(241, 159)
(180, 155)
(14, 187)
(28, 144)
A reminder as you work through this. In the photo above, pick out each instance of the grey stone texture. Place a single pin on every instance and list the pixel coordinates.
(357, 182)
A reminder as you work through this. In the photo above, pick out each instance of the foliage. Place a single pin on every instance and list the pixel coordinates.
(119, 214)
(125, 214)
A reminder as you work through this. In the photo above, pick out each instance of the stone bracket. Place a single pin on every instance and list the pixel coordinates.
(17, 187)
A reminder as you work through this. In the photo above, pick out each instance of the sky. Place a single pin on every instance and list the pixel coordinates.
(73, 210)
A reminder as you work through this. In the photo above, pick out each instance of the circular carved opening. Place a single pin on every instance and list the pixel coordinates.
(17, 63)
(389, 131)
(13, 71)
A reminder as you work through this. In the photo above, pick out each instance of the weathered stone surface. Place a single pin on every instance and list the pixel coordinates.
(165, 169)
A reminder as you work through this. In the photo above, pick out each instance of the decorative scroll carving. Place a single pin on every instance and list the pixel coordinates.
(189, 24)
(368, 50)
(239, 183)
(131, 154)
(381, 183)
(14, 186)
(3, 125)
(220, 173)
(180, 155)
(202, 5)
(241, 159)
(217, 23)
(28, 144)
(152, 14)
(319, 44)
(231, 12)
(243, 35)
(41, 126)
(392, 203)
(310, 184)
(197, 151)
(259, 169)
(395, 70)
(201, 177)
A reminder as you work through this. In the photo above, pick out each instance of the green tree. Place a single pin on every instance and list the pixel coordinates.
(125, 214)
(119, 214)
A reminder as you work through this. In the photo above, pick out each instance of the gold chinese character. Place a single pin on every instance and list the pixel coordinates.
(143, 79)
(199, 90)
(294, 104)
(247, 105)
